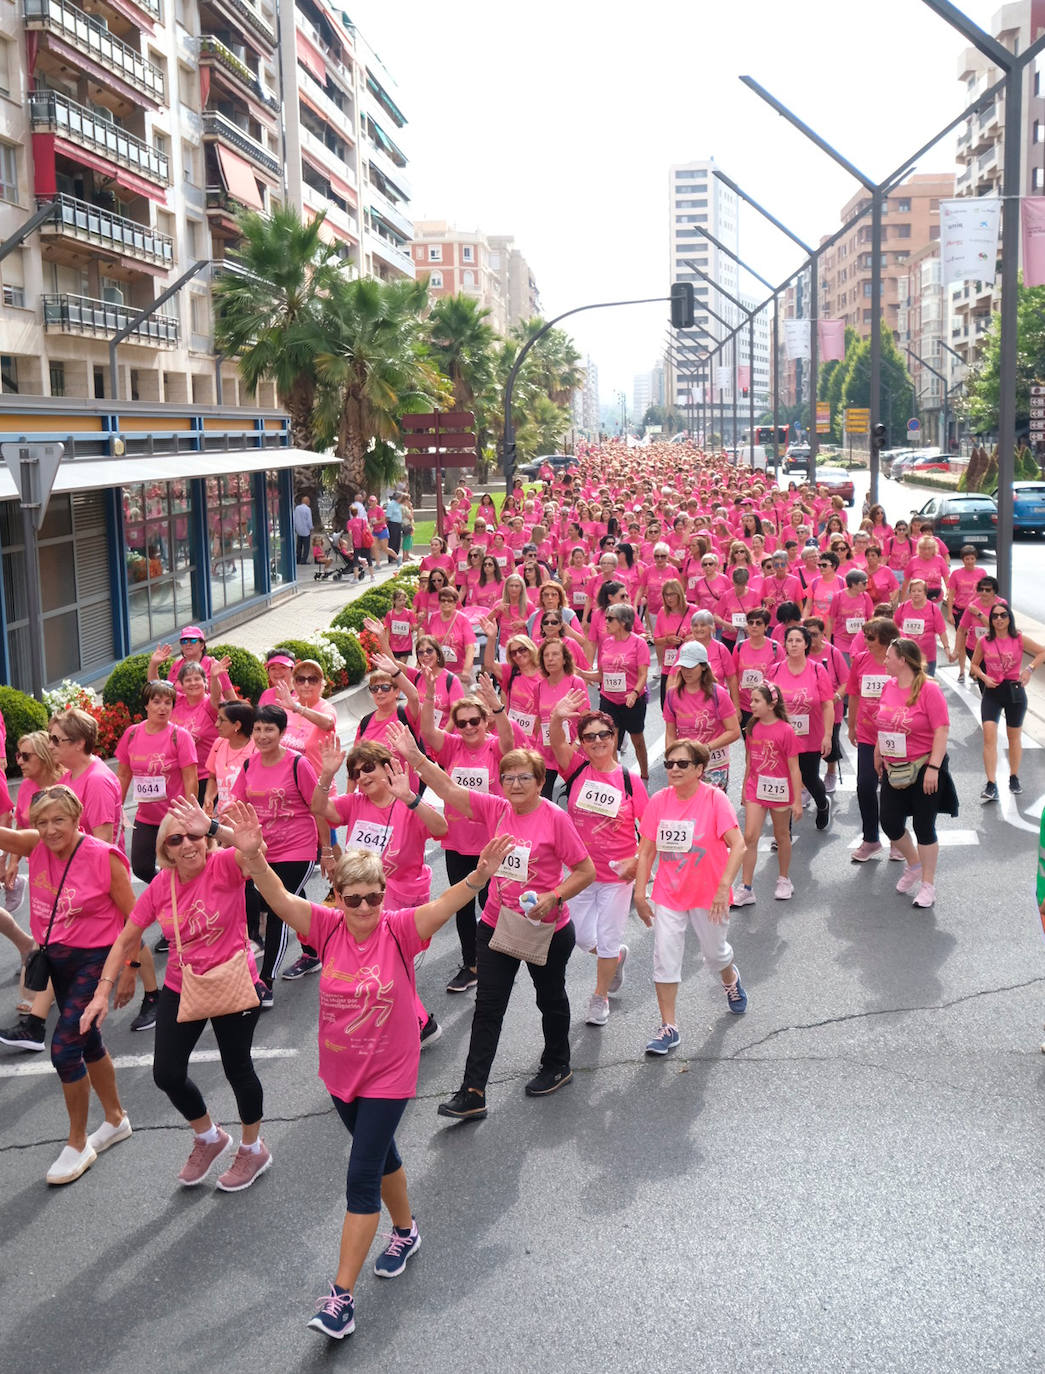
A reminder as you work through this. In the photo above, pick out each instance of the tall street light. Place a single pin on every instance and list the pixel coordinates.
(750, 314)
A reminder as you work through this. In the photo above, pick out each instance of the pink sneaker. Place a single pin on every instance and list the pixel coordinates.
(896, 855)
(865, 852)
(244, 1169)
(926, 895)
(910, 878)
(198, 1164)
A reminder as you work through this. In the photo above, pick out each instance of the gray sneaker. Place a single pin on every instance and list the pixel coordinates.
(617, 981)
(598, 1010)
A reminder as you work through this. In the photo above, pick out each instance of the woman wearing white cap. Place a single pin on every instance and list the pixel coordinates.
(696, 707)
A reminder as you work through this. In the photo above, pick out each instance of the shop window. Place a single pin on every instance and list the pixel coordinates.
(159, 554)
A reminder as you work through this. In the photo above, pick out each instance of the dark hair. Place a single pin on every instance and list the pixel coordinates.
(800, 629)
(995, 587)
(1013, 632)
(271, 715)
(831, 557)
(882, 629)
(240, 713)
(487, 556)
(628, 552)
(855, 576)
(788, 613)
(760, 614)
(771, 694)
(567, 655)
(813, 622)
(698, 753)
(608, 589)
(967, 548)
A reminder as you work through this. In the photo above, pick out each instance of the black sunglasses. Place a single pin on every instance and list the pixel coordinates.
(469, 723)
(355, 771)
(594, 735)
(678, 763)
(356, 899)
(380, 687)
(310, 678)
(175, 840)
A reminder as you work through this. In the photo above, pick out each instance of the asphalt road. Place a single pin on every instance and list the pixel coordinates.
(849, 1178)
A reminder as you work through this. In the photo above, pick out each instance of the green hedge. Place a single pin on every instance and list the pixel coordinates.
(127, 681)
(245, 669)
(22, 715)
(351, 651)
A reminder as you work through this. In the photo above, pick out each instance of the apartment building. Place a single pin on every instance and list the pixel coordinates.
(980, 154)
(518, 283)
(585, 404)
(460, 262)
(923, 330)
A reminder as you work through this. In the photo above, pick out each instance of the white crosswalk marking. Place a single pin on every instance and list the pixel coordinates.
(134, 1061)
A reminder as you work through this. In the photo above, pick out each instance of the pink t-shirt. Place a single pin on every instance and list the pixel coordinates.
(672, 623)
(400, 629)
(548, 694)
(369, 1041)
(822, 594)
(99, 791)
(777, 589)
(282, 805)
(398, 835)
(933, 571)
(963, 582)
(86, 916)
(619, 664)
(1003, 657)
(770, 744)
(228, 692)
(448, 689)
(453, 638)
(881, 585)
(478, 770)
(225, 765)
(546, 843)
(212, 916)
(604, 815)
(156, 762)
(750, 666)
(867, 680)
(656, 576)
(922, 624)
(721, 660)
(691, 851)
(201, 721)
(804, 696)
(914, 724)
(698, 717)
(976, 618)
(26, 792)
(846, 611)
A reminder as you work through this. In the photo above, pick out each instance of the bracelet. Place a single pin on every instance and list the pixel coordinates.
(558, 895)
(397, 672)
(470, 887)
(132, 963)
(934, 766)
(324, 786)
(413, 805)
(106, 980)
(498, 711)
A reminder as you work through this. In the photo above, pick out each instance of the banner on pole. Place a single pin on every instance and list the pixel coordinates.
(823, 417)
(831, 335)
(969, 238)
(723, 377)
(1032, 219)
(796, 339)
(744, 376)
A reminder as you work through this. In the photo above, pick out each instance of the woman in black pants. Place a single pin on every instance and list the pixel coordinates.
(868, 675)
(809, 700)
(204, 888)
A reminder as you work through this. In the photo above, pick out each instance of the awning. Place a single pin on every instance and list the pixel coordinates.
(89, 474)
(239, 179)
(310, 57)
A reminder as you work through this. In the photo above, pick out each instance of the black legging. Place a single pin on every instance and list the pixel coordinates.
(293, 874)
(458, 867)
(143, 851)
(809, 767)
(867, 791)
(175, 1041)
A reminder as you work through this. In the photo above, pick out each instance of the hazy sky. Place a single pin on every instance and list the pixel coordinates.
(557, 122)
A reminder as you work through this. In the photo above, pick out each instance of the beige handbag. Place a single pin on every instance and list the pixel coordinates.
(221, 991)
(521, 938)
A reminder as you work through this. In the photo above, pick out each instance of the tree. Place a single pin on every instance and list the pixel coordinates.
(270, 315)
(553, 360)
(672, 419)
(898, 403)
(983, 386)
(462, 347)
(374, 368)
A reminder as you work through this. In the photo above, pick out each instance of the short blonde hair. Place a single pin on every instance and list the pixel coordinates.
(358, 866)
(166, 826)
(66, 800)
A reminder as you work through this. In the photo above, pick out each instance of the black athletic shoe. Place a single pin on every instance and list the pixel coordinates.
(547, 1081)
(464, 1106)
(28, 1033)
(162, 945)
(1015, 786)
(146, 1018)
(823, 814)
(462, 980)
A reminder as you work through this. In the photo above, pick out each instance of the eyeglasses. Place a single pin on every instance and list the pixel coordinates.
(468, 724)
(474, 553)
(678, 763)
(175, 840)
(355, 771)
(517, 779)
(426, 649)
(21, 757)
(519, 649)
(447, 600)
(311, 677)
(54, 739)
(380, 687)
(546, 623)
(356, 899)
(596, 735)
(825, 564)
(191, 640)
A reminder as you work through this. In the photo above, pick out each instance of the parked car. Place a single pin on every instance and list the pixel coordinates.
(558, 461)
(964, 518)
(906, 461)
(796, 459)
(1028, 507)
(929, 462)
(838, 482)
(890, 463)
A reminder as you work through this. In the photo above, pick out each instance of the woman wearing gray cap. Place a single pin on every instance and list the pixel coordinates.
(697, 708)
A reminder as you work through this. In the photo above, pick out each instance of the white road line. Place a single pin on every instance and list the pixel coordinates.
(948, 839)
(134, 1061)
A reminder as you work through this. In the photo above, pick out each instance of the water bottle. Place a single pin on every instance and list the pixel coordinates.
(527, 902)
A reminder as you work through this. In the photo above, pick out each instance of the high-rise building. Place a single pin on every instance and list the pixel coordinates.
(518, 283)
(922, 328)
(585, 407)
(460, 262)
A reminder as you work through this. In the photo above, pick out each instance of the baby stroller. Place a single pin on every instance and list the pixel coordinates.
(342, 560)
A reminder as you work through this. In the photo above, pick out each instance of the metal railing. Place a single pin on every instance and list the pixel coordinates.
(254, 18)
(82, 314)
(80, 219)
(218, 126)
(66, 118)
(88, 35)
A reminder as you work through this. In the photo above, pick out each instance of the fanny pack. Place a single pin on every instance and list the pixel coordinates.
(903, 772)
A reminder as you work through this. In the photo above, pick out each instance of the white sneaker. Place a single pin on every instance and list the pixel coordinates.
(925, 896)
(743, 896)
(617, 981)
(70, 1164)
(865, 852)
(785, 889)
(830, 783)
(598, 1010)
(107, 1134)
(910, 878)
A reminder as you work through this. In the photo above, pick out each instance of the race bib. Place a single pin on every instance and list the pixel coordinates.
(475, 779)
(718, 758)
(691, 582)
(871, 684)
(671, 657)
(546, 732)
(800, 724)
(751, 677)
(502, 559)
(772, 791)
(739, 620)
(580, 598)
(892, 744)
(526, 723)
(150, 789)
(614, 682)
(400, 627)
(913, 628)
(515, 866)
(449, 653)
(978, 632)
(854, 624)
(599, 798)
(370, 835)
(675, 837)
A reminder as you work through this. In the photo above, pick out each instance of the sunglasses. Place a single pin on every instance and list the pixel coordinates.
(545, 623)
(426, 649)
(22, 758)
(355, 771)
(191, 640)
(380, 687)
(678, 763)
(356, 899)
(519, 649)
(54, 739)
(310, 678)
(825, 564)
(999, 615)
(468, 724)
(595, 735)
(175, 840)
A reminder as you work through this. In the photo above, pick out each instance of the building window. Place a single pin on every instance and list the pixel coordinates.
(419, 251)
(435, 252)
(435, 280)
(903, 231)
(8, 374)
(1038, 178)
(56, 372)
(5, 67)
(230, 530)
(467, 253)
(903, 206)
(188, 86)
(934, 229)
(8, 173)
(157, 520)
(12, 271)
(467, 278)
(281, 547)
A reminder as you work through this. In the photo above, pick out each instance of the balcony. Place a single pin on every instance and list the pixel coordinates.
(214, 50)
(68, 314)
(393, 217)
(254, 19)
(217, 126)
(342, 119)
(86, 35)
(326, 159)
(390, 253)
(76, 219)
(53, 113)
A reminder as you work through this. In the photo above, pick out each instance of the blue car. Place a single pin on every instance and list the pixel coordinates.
(1028, 507)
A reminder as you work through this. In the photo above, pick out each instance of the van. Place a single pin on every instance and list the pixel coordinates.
(743, 455)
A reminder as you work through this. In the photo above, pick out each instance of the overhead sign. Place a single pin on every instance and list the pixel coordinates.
(34, 466)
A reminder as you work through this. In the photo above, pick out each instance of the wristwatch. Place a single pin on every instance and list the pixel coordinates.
(213, 828)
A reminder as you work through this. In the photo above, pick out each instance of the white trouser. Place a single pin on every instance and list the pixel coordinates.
(669, 939)
(600, 915)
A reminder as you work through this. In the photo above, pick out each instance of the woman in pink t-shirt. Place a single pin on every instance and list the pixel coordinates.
(155, 762)
(998, 663)
(368, 1041)
(193, 650)
(671, 629)
(437, 556)
(229, 752)
(773, 784)
(453, 632)
(913, 725)
(697, 708)
(35, 757)
(867, 679)
(962, 584)
(518, 676)
(279, 667)
(752, 659)
(922, 620)
(605, 802)
(809, 701)
(691, 831)
(79, 895)
(558, 678)
(929, 565)
(623, 667)
(196, 711)
(545, 843)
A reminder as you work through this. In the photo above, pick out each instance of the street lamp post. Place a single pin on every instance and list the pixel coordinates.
(941, 378)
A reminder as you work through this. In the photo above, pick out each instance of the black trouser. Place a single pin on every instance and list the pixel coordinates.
(293, 874)
(496, 978)
(458, 866)
(175, 1041)
(809, 767)
(867, 791)
(395, 535)
(143, 851)
(304, 544)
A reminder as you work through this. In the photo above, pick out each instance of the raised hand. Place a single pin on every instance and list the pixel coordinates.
(246, 829)
(220, 665)
(399, 781)
(190, 815)
(399, 738)
(385, 664)
(492, 855)
(331, 756)
(285, 695)
(571, 705)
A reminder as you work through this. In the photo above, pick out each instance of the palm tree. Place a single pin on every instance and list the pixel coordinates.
(553, 359)
(462, 347)
(372, 369)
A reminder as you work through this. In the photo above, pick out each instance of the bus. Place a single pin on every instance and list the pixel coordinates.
(764, 435)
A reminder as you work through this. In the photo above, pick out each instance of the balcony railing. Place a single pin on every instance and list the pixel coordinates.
(94, 224)
(58, 114)
(88, 36)
(217, 126)
(254, 18)
(81, 315)
(210, 46)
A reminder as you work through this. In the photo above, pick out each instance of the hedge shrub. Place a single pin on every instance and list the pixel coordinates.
(351, 651)
(245, 669)
(22, 715)
(127, 681)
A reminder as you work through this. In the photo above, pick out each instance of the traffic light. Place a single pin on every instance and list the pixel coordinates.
(682, 305)
(877, 437)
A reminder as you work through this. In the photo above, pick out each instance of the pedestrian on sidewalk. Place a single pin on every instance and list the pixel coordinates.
(394, 516)
(303, 528)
